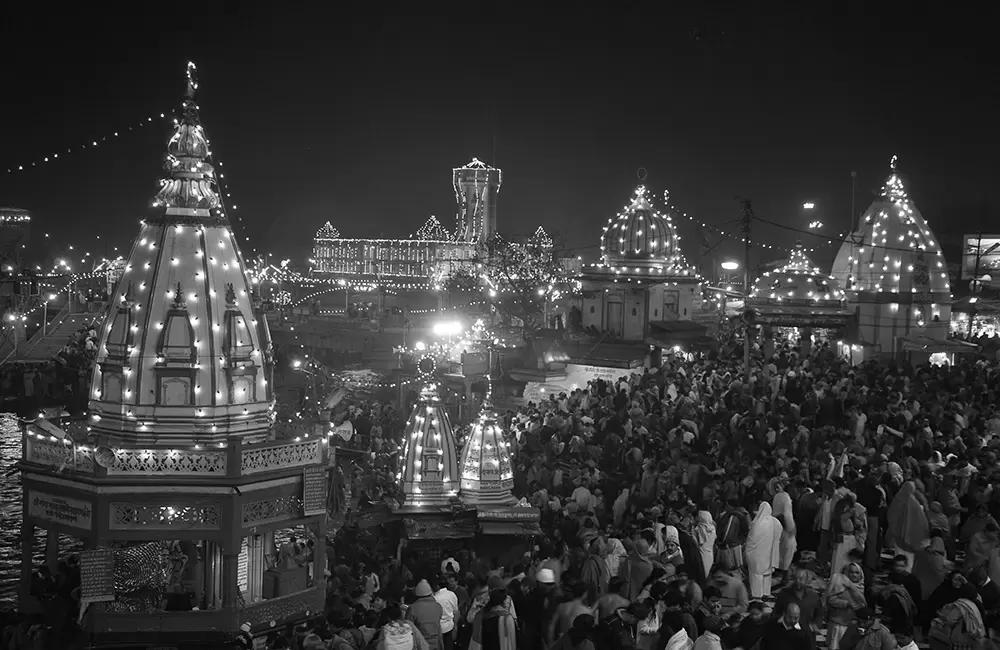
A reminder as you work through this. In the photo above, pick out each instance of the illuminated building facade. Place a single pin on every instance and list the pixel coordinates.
(642, 279)
(429, 255)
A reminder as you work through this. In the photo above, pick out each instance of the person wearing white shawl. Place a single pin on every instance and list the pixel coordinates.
(763, 550)
(680, 641)
(704, 536)
(782, 507)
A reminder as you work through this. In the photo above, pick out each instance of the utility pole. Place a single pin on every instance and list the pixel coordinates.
(748, 315)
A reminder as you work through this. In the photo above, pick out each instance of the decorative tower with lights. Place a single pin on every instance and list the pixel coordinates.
(183, 357)
(429, 462)
(895, 273)
(476, 188)
(174, 484)
(487, 471)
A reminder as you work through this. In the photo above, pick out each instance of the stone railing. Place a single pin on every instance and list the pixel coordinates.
(229, 462)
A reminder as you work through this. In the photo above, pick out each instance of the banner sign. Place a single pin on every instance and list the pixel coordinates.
(60, 510)
(509, 514)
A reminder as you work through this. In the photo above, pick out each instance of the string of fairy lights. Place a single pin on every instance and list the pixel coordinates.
(60, 154)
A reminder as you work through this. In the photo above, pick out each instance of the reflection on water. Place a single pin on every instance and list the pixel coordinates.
(10, 513)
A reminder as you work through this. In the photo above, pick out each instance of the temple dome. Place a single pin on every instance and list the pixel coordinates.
(487, 471)
(798, 282)
(894, 250)
(640, 235)
(184, 357)
(429, 462)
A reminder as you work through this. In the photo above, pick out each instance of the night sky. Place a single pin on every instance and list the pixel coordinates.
(358, 118)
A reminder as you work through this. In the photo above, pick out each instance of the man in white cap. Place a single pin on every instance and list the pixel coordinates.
(426, 613)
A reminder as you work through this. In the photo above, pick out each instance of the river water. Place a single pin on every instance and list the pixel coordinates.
(10, 513)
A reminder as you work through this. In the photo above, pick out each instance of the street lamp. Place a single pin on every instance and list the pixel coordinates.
(730, 265)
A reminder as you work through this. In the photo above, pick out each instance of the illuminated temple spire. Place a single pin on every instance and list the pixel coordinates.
(183, 357)
(429, 462)
(487, 471)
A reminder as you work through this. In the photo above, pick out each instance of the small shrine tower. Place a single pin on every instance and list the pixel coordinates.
(487, 471)
(174, 485)
(429, 462)
(796, 299)
(894, 273)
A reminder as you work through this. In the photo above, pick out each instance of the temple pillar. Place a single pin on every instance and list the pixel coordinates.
(27, 541)
(319, 554)
(51, 550)
(230, 577)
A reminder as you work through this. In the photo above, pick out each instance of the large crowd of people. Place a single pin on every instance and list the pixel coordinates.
(818, 505)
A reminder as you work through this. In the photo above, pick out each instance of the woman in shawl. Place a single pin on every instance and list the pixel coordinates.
(494, 627)
(704, 537)
(982, 547)
(844, 596)
(952, 589)
(958, 626)
(594, 572)
(843, 527)
(782, 509)
(763, 550)
(908, 527)
(930, 564)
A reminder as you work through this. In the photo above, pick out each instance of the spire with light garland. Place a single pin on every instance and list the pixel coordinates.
(798, 281)
(897, 253)
(428, 470)
(487, 470)
(432, 230)
(327, 231)
(183, 356)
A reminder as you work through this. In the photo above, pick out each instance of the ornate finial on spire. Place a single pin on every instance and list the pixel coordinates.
(230, 295)
(179, 302)
(641, 173)
(893, 161)
(192, 80)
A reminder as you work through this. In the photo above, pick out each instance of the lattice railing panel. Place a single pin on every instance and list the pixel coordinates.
(169, 462)
(264, 511)
(278, 457)
(134, 515)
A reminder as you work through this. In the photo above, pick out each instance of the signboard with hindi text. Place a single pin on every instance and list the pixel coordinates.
(60, 510)
(314, 491)
(509, 514)
(97, 576)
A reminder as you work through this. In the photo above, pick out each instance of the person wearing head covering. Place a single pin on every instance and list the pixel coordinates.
(782, 510)
(426, 614)
(844, 596)
(638, 567)
(763, 550)
(494, 627)
(399, 632)
(958, 625)
(907, 526)
(704, 536)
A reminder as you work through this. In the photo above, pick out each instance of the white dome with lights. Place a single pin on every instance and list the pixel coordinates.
(639, 235)
(183, 356)
(429, 463)
(798, 282)
(894, 251)
(487, 471)
(327, 231)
